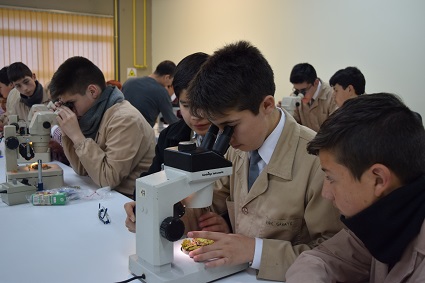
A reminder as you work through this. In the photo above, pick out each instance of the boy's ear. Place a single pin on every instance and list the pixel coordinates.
(385, 180)
(268, 104)
(93, 91)
(34, 76)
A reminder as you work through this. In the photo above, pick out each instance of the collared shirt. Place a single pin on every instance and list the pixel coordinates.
(316, 94)
(266, 151)
(196, 138)
(268, 146)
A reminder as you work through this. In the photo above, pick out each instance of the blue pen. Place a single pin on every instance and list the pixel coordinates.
(40, 176)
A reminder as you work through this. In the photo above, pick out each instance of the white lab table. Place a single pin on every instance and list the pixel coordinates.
(69, 243)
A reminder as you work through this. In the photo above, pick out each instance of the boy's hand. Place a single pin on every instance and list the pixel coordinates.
(227, 249)
(213, 222)
(130, 221)
(68, 123)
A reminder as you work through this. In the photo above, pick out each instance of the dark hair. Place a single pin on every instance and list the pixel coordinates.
(166, 67)
(186, 70)
(375, 128)
(303, 72)
(235, 77)
(17, 71)
(349, 76)
(4, 79)
(74, 76)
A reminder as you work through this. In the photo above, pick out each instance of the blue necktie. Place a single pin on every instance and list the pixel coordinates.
(253, 168)
(197, 139)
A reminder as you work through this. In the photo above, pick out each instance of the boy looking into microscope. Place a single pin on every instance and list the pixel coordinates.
(318, 102)
(190, 128)
(281, 213)
(104, 136)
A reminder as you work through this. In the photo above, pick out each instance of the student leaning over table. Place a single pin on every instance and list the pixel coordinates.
(104, 136)
(190, 128)
(372, 150)
(283, 213)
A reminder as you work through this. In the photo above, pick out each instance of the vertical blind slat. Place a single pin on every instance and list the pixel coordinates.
(44, 40)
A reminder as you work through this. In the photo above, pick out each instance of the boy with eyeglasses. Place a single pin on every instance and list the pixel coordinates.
(189, 128)
(317, 102)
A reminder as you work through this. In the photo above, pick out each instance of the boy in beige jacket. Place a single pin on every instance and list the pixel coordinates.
(282, 213)
(104, 136)
(372, 151)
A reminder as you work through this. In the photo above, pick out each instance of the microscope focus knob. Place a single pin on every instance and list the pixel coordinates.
(172, 229)
(11, 143)
(46, 125)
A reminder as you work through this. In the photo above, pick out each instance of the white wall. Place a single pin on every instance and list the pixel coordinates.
(385, 39)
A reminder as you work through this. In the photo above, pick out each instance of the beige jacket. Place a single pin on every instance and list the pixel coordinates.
(314, 116)
(13, 99)
(124, 148)
(344, 258)
(284, 205)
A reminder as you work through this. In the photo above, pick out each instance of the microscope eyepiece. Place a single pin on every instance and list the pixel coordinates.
(186, 146)
(210, 137)
(222, 143)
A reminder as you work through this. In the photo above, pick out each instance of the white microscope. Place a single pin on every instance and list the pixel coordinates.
(23, 149)
(290, 103)
(189, 174)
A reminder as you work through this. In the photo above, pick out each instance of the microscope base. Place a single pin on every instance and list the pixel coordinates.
(16, 193)
(182, 270)
(52, 177)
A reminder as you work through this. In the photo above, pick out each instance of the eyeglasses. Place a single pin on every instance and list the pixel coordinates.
(69, 104)
(303, 91)
(103, 215)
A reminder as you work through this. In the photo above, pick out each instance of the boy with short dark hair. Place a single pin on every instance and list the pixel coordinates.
(189, 128)
(31, 91)
(317, 102)
(347, 83)
(104, 136)
(282, 212)
(10, 95)
(150, 94)
(372, 151)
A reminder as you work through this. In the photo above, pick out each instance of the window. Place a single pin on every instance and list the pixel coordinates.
(44, 40)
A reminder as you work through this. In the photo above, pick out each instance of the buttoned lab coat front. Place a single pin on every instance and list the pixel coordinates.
(284, 205)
